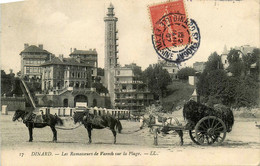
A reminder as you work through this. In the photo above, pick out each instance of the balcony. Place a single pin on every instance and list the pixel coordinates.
(130, 91)
(129, 82)
(125, 90)
(126, 98)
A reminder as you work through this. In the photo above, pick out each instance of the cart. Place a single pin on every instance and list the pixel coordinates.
(207, 131)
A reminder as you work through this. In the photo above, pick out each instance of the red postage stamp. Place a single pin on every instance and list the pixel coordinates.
(170, 24)
(175, 37)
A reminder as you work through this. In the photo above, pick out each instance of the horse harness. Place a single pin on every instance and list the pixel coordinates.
(34, 118)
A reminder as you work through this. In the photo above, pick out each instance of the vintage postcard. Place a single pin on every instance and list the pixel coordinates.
(151, 82)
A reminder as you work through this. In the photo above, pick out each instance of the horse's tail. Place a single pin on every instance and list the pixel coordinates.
(119, 126)
(59, 121)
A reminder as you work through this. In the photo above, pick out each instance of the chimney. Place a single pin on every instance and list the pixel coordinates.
(61, 57)
(75, 49)
(26, 45)
(41, 46)
(70, 50)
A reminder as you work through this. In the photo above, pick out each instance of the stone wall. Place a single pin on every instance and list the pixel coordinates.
(13, 103)
(58, 100)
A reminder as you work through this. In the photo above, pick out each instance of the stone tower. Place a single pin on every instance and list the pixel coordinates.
(110, 51)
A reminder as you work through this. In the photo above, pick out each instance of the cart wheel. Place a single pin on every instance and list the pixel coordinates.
(210, 130)
(193, 136)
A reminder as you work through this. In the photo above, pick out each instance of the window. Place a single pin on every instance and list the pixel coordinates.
(173, 70)
(117, 79)
(31, 69)
(118, 72)
(27, 69)
(123, 86)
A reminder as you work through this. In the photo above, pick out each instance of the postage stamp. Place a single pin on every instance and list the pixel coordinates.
(176, 38)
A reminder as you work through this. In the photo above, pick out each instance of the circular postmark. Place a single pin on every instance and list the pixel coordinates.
(176, 38)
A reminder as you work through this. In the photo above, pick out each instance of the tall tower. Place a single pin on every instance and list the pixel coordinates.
(110, 51)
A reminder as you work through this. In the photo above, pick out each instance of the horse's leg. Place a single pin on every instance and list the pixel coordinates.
(54, 134)
(30, 128)
(180, 133)
(155, 136)
(89, 135)
(114, 133)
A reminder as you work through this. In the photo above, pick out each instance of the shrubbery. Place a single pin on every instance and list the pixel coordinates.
(184, 73)
(239, 90)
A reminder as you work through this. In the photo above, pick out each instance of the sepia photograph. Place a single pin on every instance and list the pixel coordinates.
(109, 82)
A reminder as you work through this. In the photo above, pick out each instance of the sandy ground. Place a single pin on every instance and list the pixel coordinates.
(241, 146)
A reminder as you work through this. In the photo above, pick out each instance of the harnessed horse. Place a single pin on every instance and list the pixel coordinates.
(31, 120)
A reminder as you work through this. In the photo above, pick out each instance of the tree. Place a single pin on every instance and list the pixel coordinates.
(247, 92)
(211, 85)
(213, 63)
(236, 64)
(239, 90)
(250, 60)
(100, 88)
(184, 73)
(10, 84)
(157, 80)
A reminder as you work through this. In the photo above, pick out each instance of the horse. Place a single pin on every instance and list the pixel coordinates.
(92, 121)
(31, 120)
(160, 124)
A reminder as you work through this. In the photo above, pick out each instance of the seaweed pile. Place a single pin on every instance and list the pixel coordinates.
(194, 111)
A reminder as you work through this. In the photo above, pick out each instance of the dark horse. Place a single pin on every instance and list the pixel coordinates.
(91, 121)
(159, 124)
(32, 120)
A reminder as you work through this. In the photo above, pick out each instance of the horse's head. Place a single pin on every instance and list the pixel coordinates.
(78, 117)
(18, 114)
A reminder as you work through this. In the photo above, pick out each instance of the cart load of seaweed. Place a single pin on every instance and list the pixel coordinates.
(194, 111)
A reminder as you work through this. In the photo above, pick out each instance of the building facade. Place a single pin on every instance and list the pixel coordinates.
(130, 93)
(66, 81)
(199, 66)
(243, 50)
(172, 68)
(31, 59)
(61, 73)
(89, 57)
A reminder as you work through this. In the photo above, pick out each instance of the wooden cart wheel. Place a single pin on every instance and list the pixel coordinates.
(210, 130)
(193, 136)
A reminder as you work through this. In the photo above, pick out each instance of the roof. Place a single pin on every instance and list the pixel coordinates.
(34, 49)
(84, 52)
(64, 61)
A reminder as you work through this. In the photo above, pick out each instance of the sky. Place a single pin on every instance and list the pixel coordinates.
(64, 24)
